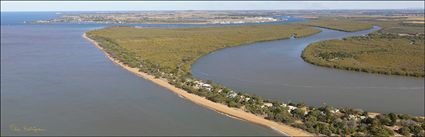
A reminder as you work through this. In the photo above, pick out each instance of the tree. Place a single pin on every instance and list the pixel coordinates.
(232, 103)
(405, 117)
(311, 119)
(325, 130)
(254, 109)
(280, 117)
(277, 117)
(415, 129)
(287, 118)
(362, 128)
(298, 113)
(423, 125)
(404, 131)
(314, 113)
(380, 131)
(393, 117)
(384, 120)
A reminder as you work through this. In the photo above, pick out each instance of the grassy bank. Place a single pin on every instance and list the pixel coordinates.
(168, 53)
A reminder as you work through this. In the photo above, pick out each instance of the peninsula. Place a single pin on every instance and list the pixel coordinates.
(396, 49)
(234, 112)
(175, 67)
(165, 55)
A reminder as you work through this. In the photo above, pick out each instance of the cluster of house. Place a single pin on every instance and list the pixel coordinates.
(200, 84)
(209, 87)
(290, 107)
(233, 94)
(244, 20)
(356, 117)
(409, 35)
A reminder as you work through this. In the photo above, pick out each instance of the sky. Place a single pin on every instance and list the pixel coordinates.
(202, 5)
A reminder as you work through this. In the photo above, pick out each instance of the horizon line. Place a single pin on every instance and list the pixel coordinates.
(209, 10)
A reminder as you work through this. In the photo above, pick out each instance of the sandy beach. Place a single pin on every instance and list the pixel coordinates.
(221, 108)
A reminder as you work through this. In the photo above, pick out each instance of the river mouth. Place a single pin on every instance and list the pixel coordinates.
(57, 83)
(275, 70)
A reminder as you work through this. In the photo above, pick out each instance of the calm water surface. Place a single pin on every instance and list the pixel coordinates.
(275, 70)
(53, 79)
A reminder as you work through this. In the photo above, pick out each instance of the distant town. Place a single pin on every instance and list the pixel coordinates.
(216, 17)
(168, 17)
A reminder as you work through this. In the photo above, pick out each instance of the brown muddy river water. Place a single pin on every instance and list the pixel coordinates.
(275, 70)
(54, 82)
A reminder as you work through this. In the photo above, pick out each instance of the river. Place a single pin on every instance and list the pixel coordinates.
(275, 70)
(57, 83)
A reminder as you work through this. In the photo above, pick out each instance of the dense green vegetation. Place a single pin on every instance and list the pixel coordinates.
(394, 25)
(168, 54)
(356, 23)
(175, 49)
(375, 53)
(390, 24)
(397, 49)
(340, 24)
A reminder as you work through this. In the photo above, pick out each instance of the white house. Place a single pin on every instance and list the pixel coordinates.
(335, 111)
(232, 94)
(206, 86)
(267, 105)
(352, 117)
(199, 84)
(291, 108)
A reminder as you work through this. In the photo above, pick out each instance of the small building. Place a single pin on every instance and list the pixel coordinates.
(206, 85)
(232, 94)
(352, 117)
(404, 34)
(267, 105)
(200, 84)
(335, 111)
(291, 108)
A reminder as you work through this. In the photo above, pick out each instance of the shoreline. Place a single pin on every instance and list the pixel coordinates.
(307, 56)
(220, 108)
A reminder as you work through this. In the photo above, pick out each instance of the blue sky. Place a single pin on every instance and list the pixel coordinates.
(202, 5)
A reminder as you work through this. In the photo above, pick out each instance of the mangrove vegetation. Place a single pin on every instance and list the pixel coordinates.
(168, 53)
